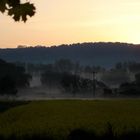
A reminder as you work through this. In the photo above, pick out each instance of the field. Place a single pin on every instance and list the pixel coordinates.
(57, 118)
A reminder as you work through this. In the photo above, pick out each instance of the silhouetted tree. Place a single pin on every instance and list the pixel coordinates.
(12, 77)
(7, 86)
(17, 9)
(71, 83)
(129, 89)
(51, 79)
(132, 88)
(107, 92)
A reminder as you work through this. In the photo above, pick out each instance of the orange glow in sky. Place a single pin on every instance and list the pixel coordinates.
(71, 21)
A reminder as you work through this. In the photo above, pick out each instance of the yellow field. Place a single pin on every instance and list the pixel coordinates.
(57, 118)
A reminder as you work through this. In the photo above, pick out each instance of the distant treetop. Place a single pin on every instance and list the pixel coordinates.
(17, 10)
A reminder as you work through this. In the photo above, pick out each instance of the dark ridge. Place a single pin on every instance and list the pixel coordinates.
(98, 53)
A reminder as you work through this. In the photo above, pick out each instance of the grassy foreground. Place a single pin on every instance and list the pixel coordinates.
(58, 118)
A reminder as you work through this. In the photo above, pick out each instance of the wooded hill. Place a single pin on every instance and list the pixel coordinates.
(101, 53)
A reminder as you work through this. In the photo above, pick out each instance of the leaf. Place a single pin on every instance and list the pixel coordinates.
(21, 11)
(13, 3)
(2, 6)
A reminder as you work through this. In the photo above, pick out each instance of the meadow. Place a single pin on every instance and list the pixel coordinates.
(58, 118)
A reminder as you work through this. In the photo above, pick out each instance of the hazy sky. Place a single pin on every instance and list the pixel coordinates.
(71, 21)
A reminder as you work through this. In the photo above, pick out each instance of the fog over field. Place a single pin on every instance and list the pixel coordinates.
(44, 93)
(36, 91)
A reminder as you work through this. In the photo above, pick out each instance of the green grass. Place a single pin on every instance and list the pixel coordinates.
(57, 118)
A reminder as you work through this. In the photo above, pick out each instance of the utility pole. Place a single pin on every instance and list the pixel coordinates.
(94, 83)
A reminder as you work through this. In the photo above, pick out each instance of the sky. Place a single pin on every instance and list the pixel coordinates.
(71, 21)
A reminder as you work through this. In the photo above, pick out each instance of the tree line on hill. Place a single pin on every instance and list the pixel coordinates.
(100, 53)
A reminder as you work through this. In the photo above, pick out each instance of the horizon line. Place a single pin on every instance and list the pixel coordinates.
(68, 44)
